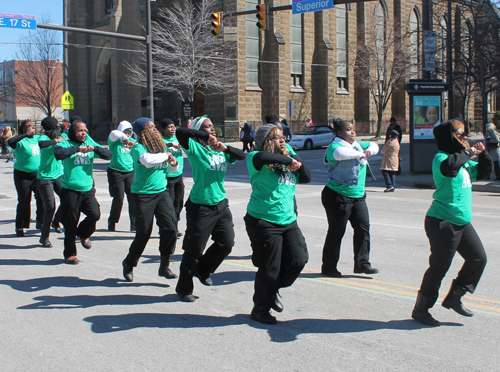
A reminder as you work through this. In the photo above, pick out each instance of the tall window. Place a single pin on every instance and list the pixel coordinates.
(341, 46)
(414, 43)
(443, 28)
(380, 38)
(252, 44)
(297, 60)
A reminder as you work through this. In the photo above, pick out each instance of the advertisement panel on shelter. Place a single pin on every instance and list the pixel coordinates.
(426, 115)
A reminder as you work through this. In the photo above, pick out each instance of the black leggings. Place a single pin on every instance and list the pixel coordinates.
(120, 183)
(46, 188)
(25, 185)
(445, 239)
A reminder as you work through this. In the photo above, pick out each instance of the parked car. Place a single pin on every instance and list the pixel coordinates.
(309, 137)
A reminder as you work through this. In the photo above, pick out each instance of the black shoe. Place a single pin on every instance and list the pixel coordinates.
(72, 260)
(167, 273)
(332, 273)
(277, 305)
(45, 243)
(203, 280)
(453, 300)
(128, 272)
(111, 226)
(179, 234)
(19, 232)
(86, 243)
(261, 315)
(56, 227)
(365, 269)
(424, 317)
(186, 298)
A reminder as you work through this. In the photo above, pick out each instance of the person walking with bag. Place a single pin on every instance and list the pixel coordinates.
(448, 221)
(344, 199)
(207, 209)
(278, 246)
(390, 161)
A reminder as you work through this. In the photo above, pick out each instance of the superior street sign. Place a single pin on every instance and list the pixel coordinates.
(303, 6)
(25, 22)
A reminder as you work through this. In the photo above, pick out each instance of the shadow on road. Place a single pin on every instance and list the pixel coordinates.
(40, 284)
(286, 331)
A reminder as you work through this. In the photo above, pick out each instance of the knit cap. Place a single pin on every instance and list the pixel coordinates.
(262, 134)
(196, 123)
(49, 123)
(165, 122)
(139, 125)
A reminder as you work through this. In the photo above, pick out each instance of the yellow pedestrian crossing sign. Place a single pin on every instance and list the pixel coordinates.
(67, 101)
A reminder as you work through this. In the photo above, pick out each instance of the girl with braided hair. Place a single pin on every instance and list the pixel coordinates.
(207, 209)
(151, 198)
(279, 248)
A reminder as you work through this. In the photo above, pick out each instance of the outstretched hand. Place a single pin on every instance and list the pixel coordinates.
(295, 166)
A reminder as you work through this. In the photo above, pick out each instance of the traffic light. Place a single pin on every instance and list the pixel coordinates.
(217, 24)
(261, 16)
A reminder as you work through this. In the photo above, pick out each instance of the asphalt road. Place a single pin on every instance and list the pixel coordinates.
(55, 316)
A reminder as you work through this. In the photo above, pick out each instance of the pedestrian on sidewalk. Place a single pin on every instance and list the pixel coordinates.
(279, 248)
(390, 161)
(207, 209)
(492, 145)
(150, 195)
(175, 180)
(246, 137)
(344, 198)
(49, 178)
(121, 174)
(27, 152)
(78, 192)
(448, 221)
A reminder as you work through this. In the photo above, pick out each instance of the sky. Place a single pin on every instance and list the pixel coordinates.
(52, 9)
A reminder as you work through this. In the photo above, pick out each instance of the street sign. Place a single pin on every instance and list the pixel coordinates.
(67, 101)
(25, 22)
(303, 6)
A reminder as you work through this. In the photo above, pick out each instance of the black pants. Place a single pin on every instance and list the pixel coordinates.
(340, 209)
(279, 253)
(246, 146)
(46, 188)
(72, 204)
(120, 183)
(150, 206)
(25, 185)
(175, 189)
(445, 239)
(389, 178)
(203, 221)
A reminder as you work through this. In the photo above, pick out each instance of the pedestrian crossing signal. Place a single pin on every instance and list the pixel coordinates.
(261, 16)
(217, 24)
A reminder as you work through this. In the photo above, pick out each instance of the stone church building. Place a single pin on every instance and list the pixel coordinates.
(302, 60)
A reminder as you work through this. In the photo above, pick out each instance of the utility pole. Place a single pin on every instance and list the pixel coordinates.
(149, 63)
(449, 60)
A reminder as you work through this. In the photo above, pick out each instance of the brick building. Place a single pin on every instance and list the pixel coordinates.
(15, 108)
(306, 59)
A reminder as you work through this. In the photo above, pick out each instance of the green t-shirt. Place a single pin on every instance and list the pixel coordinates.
(122, 155)
(272, 196)
(209, 168)
(147, 180)
(453, 196)
(50, 168)
(78, 167)
(27, 154)
(291, 151)
(177, 154)
(355, 191)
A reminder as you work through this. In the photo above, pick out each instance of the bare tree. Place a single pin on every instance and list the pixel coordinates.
(39, 79)
(187, 58)
(381, 66)
(477, 49)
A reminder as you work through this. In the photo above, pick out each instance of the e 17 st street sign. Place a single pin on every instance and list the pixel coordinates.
(303, 6)
(25, 22)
